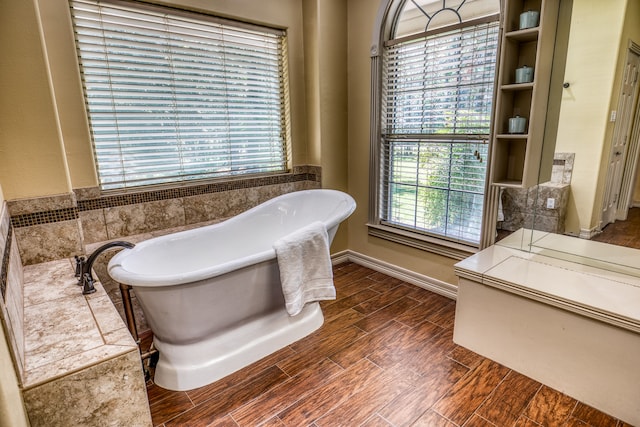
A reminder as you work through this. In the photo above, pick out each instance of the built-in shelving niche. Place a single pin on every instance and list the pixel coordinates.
(516, 156)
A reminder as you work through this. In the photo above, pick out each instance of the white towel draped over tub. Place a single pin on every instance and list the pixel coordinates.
(305, 267)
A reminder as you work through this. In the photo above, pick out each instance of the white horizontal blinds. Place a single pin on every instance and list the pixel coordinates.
(442, 84)
(435, 186)
(172, 96)
(437, 101)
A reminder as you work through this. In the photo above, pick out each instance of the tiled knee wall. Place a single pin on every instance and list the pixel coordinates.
(527, 207)
(11, 285)
(55, 227)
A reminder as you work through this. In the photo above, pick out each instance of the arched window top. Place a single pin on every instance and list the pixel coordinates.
(404, 18)
(418, 16)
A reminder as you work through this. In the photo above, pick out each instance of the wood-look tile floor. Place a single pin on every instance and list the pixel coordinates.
(623, 233)
(384, 357)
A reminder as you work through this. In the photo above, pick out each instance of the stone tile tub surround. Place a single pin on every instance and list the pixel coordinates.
(60, 226)
(46, 228)
(58, 338)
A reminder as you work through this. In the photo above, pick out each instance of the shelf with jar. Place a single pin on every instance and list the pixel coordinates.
(522, 15)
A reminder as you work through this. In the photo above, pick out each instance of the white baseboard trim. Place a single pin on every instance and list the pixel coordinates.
(586, 233)
(429, 283)
(340, 257)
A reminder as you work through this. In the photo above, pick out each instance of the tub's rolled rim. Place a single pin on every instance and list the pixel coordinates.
(120, 274)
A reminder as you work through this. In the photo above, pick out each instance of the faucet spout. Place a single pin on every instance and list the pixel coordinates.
(84, 266)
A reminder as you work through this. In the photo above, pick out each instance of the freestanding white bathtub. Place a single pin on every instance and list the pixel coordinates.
(212, 295)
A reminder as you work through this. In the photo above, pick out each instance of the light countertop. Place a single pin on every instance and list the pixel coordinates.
(65, 331)
(583, 281)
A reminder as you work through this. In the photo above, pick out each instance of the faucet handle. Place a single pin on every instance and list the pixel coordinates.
(87, 284)
(80, 260)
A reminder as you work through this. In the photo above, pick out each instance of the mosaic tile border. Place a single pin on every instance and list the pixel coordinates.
(195, 190)
(45, 217)
(6, 256)
(301, 173)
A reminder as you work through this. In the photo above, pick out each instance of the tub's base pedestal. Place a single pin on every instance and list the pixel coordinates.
(189, 366)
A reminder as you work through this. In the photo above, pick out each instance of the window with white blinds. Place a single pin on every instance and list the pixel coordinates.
(174, 96)
(436, 116)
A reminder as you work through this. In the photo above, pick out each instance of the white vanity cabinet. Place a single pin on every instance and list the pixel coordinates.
(570, 326)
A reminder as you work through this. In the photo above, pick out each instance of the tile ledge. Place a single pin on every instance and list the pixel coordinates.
(66, 364)
(34, 378)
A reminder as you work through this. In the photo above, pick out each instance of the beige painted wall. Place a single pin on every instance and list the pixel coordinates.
(312, 71)
(67, 89)
(325, 27)
(594, 39)
(12, 412)
(31, 154)
(332, 52)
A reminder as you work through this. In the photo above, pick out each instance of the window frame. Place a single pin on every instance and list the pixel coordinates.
(284, 119)
(384, 28)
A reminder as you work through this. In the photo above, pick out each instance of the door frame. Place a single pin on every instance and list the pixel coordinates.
(624, 189)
